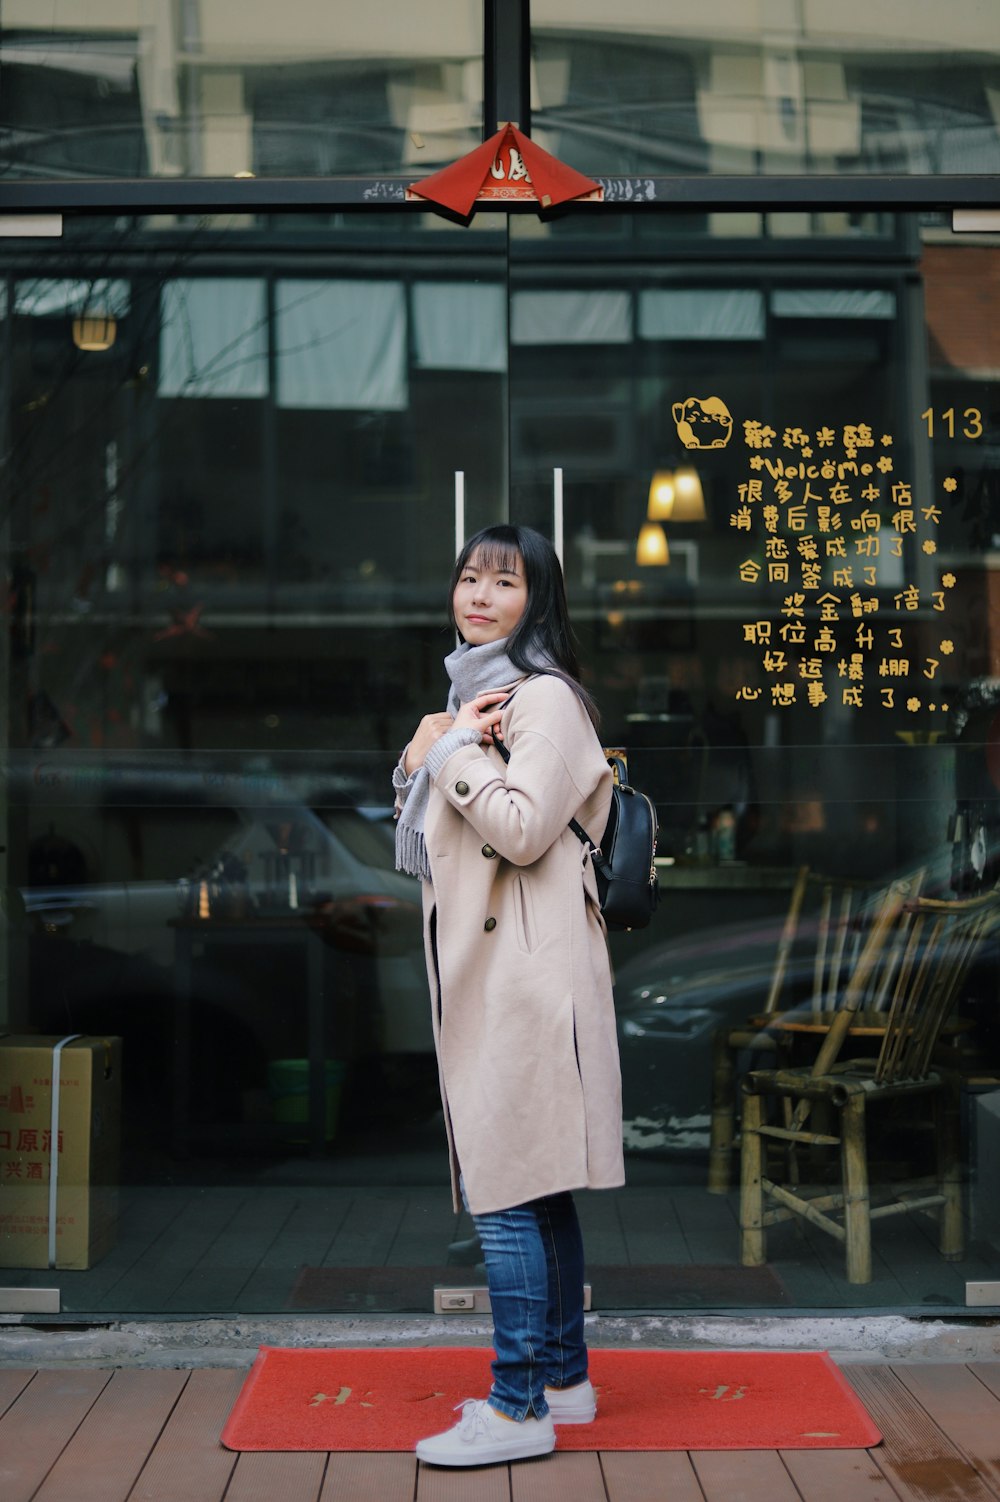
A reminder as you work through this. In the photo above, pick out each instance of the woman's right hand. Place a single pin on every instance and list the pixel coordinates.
(431, 728)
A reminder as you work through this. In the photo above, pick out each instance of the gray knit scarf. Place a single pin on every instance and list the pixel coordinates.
(472, 670)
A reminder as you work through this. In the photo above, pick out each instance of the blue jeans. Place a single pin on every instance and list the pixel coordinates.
(534, 1268)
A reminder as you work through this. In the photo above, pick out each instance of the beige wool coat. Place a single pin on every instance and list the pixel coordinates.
(517, 958)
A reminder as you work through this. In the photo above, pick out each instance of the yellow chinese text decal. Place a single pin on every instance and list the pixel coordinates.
(829, 521)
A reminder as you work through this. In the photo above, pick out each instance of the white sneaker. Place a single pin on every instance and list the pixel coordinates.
(483, 1437)
(572, 1405)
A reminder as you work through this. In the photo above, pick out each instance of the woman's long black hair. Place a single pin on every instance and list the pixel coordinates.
(542, 641)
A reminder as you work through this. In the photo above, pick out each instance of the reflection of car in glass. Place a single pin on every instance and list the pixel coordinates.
(670, 999)
(333, 865)
(120, 852)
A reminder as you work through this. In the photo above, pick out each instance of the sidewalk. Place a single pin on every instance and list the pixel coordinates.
(93, 1434)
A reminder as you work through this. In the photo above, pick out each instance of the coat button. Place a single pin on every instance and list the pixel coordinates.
(490, 925)
(489, 852)
(461, 788)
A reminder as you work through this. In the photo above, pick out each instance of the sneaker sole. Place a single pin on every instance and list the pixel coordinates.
(491, 1455)
(581, 1417)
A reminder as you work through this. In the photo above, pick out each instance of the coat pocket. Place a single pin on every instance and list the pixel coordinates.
(524, 918)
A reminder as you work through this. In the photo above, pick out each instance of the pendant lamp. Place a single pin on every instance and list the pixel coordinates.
(651, 547)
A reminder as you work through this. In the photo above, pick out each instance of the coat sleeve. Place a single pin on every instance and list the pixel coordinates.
(402, 782)
(556, 763)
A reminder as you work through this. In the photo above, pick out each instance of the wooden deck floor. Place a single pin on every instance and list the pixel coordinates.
(133, 1435)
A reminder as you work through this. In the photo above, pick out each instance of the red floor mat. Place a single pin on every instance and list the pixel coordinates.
(647, 1400)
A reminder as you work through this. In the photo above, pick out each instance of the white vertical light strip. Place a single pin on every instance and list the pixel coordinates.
(557, 513)
(54, 1145)
(459, 523)
(459, 510)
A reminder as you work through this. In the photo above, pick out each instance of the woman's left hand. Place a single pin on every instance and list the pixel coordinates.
(483, 714)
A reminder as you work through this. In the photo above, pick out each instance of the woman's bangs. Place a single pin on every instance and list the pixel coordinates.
(495, 558)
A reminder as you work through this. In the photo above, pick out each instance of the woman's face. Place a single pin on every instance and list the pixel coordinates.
(488, 603)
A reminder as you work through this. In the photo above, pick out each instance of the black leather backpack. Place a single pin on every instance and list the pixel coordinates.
(625, 860)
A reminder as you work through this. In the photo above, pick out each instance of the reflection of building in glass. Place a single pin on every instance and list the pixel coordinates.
(214, 89)
(657, 90)
(211, 89)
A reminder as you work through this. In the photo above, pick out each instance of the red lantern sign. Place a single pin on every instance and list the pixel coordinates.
(508, 168)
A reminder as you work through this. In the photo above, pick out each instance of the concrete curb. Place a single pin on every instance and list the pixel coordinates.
(234, 1342)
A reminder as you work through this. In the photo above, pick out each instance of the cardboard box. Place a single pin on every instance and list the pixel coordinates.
(86, 1163)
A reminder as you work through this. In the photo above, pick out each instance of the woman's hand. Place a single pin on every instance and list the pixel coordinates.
(483, 714)
(431, 728)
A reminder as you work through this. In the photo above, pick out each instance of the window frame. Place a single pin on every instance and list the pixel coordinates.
(506, 57)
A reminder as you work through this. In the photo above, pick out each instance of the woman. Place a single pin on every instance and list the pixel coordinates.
(519, 973)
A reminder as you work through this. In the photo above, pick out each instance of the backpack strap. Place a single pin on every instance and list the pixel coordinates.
(594, 851)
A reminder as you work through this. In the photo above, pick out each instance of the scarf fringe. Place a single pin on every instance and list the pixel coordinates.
(411, 851)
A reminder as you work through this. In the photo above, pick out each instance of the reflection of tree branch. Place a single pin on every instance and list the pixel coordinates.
(213, 370)
(25, 476)
(69, 373)
(295, 349)
(37, 466)
(30, 465)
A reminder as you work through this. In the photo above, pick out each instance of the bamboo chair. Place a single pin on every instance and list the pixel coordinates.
(922, 949)
(836, 936)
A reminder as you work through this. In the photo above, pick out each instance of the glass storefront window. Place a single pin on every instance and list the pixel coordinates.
(812, 88)
(230, 511)
(231, 516)
(795, 671)
(220, 88)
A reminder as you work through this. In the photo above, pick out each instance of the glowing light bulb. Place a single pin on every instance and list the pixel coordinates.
(651, 547)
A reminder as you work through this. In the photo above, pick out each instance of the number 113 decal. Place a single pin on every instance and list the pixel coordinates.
(971, 426)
